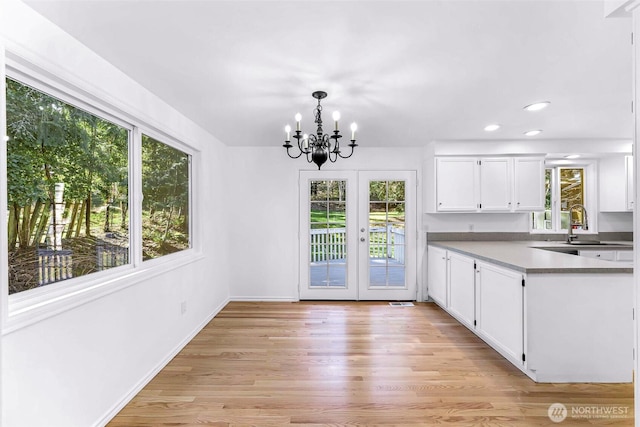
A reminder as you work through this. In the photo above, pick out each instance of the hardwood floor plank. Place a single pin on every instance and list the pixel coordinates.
(352, 364)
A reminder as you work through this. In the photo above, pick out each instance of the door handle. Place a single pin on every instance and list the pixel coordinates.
(362, 239)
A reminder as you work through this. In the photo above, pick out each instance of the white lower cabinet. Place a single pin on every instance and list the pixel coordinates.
(484, 297)
(462, 291)
(500, 309)
(541, 324)
(437, 275)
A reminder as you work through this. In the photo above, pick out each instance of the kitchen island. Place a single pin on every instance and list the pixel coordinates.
(557, 316)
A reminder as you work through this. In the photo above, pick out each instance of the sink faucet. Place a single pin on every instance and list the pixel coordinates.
(585, 224)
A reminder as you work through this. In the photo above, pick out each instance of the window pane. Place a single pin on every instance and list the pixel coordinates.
(165, 205)
(544, 220)
(571, 194)
(67, 182)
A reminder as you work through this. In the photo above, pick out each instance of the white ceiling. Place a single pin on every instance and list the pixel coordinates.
(407, 71)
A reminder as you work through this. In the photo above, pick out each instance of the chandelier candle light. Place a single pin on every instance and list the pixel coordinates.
(320, 146)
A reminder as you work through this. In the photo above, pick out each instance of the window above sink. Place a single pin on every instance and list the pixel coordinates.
(567, 184)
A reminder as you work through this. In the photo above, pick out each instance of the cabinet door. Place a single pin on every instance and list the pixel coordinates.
(529, 186)
(499, 309)
(630, 193)
(613, 182)
(437, 275)
(495, 184)
(462, 292)
(456, 184)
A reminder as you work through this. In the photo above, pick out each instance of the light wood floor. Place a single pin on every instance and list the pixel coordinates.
(355, 364)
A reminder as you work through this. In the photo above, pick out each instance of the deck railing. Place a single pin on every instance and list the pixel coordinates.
(57, 265)
(331, 243)
(108, 256)
(54, 266)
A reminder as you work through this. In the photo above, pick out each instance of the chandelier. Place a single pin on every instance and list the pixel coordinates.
(320, 146)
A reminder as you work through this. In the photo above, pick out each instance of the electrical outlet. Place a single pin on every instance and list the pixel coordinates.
(183, 307)
(470, 227)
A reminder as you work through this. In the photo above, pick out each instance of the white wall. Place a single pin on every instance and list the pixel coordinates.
(77, 367)
(264, 213)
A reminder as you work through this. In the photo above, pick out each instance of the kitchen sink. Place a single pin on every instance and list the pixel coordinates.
(593, 243)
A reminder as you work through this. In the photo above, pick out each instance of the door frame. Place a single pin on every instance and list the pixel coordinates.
(355, 259)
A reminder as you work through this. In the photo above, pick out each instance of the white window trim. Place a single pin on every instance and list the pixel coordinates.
(28, 307)
(590, 195)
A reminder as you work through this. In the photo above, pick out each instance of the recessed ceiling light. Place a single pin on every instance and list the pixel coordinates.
(572, 156)
(537, 106)
(533, 132)
(491, 128)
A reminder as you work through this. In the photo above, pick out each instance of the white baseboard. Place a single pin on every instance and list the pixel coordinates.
(147, 378)
(264, 299)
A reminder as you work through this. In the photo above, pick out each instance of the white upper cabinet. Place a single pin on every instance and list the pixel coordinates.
(616, 184)
(495, 184)
(456, 184)
(529, 190)
(489, 184)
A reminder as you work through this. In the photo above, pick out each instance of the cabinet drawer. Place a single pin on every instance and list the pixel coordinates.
(605, 255)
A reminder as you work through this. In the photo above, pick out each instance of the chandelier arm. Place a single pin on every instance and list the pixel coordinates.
(332, 152)
(289, 154)
(353, 145)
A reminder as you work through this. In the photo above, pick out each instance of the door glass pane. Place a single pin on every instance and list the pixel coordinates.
(336, 213)
(378, 276)
(386, 233)
(327, 234)
(318, 217)
(395, 191)
(337, 190)
(395, 276)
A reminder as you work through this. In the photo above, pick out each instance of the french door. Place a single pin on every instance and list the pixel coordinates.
(357, 235)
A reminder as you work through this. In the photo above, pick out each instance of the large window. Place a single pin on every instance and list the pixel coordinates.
(567, 202)
(165, 206)
(68, 202)
(67, 180)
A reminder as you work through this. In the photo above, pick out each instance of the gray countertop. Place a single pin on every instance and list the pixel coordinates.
(539, 257)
